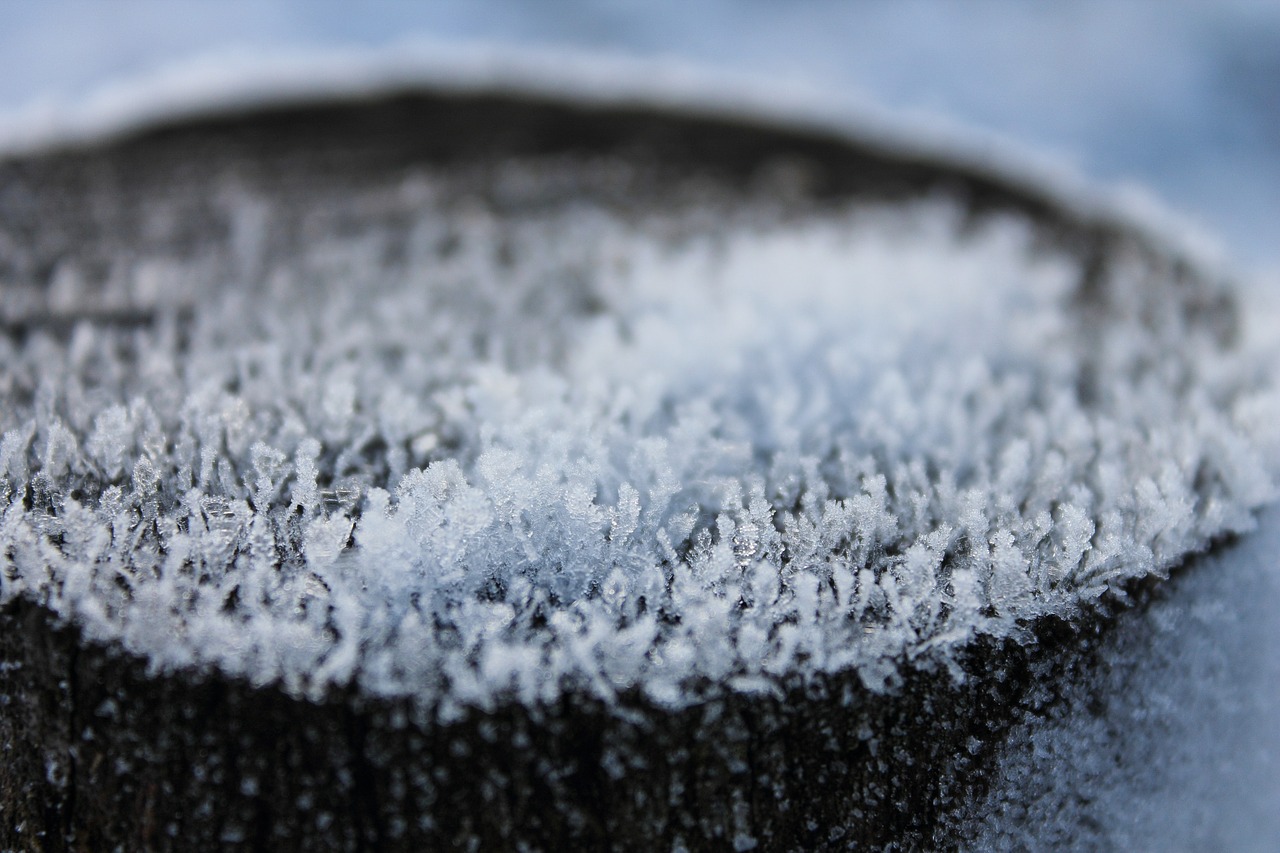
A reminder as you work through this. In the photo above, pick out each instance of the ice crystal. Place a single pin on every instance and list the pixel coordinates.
(515, 455)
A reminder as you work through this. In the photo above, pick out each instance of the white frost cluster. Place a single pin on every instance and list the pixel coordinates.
(581, 450)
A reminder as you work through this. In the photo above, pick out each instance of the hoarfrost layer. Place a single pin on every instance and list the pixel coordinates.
(584, 450)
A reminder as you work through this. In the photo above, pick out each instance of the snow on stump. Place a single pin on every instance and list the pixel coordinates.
(500, 471)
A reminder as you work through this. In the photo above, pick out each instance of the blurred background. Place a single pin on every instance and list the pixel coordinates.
(1181, 97)
(1177, 97)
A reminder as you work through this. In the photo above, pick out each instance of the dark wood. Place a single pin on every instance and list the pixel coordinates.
(98, 752)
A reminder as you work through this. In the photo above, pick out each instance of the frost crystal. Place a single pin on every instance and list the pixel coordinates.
(510, 455)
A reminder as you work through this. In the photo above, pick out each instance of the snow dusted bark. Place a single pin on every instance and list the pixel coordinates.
(490, 469)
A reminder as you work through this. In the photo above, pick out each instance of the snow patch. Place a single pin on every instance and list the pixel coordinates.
(620, 462)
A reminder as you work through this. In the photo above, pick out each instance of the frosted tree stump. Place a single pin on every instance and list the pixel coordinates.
(508, 471)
